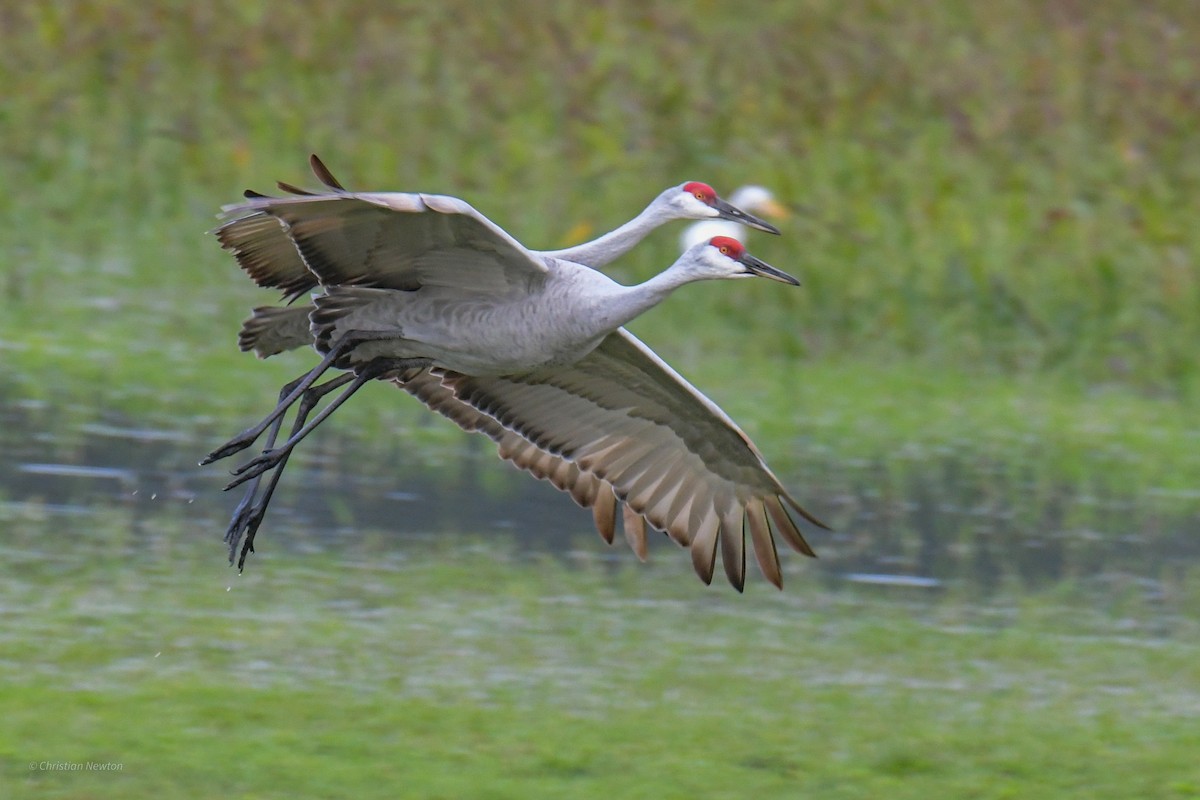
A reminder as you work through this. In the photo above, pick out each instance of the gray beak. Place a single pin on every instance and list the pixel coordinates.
(764, 270)
(726, 211)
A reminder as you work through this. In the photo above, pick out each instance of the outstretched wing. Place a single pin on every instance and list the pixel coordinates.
(386, 240)
(669, 453)
(395, 241)
(585, 489)
(620, 432)
(272, 330)
(261, 245)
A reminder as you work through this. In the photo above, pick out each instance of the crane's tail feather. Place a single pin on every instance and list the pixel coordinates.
(270, 330)
(327, 320)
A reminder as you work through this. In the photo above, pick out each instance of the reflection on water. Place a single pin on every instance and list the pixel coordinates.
(950, 520)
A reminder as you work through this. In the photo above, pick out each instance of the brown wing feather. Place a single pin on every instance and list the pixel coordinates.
(292, 189)
(671, 456)
(786, 527)
(764, 542)
(604, 513)
(635, 531)
(585, 489)
(265, 253)
(704, 545)
(733, 545)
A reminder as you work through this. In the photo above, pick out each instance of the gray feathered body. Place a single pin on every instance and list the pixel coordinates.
(557, 318)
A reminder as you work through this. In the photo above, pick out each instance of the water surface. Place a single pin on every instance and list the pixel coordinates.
(951, 518)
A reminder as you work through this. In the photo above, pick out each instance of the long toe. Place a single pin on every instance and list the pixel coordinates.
(234, 445)
(242, 529)
(247, 549)
(258, 465)
(242, 516)
(247, 472)
(253, 520)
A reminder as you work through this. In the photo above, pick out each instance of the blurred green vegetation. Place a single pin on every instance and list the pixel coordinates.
(460, 670)
(994, 200)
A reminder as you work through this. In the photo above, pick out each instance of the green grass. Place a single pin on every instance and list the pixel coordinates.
(1001, 189)
(465, 672)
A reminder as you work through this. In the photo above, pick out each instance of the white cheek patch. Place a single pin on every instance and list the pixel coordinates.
(697, 208)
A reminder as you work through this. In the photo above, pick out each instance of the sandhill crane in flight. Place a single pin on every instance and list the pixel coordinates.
(272, 261)
(261, 246)
(528, 349)
(752, 199)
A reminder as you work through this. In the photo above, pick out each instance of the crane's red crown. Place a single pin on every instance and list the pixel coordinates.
(703, 192)
(728, 246)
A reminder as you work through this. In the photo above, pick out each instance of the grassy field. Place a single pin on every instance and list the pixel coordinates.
(468, 672)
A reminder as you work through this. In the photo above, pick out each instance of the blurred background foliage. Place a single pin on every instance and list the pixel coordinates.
(1009, 187)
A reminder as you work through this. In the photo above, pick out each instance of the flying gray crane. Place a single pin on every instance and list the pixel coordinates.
(261, 242)
(276, 268)
(528, 349)
(272, 261)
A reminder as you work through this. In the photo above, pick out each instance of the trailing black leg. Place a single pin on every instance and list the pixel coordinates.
(253, 507)
(368, 372)
(238, 522)
(347, 342)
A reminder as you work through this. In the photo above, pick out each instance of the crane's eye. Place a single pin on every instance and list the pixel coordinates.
(724, 249)
(701, 191)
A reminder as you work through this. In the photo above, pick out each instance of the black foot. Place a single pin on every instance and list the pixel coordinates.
(257, 466)
(234, 445)
(242, 528)
(242, 515)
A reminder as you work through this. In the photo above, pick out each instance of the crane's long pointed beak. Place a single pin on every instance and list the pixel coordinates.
(762, 269)
(726, 211)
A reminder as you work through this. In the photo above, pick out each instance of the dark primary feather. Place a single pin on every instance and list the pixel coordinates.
(266, 254)
(261, 252)
(323, 174)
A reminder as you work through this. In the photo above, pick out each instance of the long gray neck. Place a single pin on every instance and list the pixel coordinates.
(613, 244)
(629, 302)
